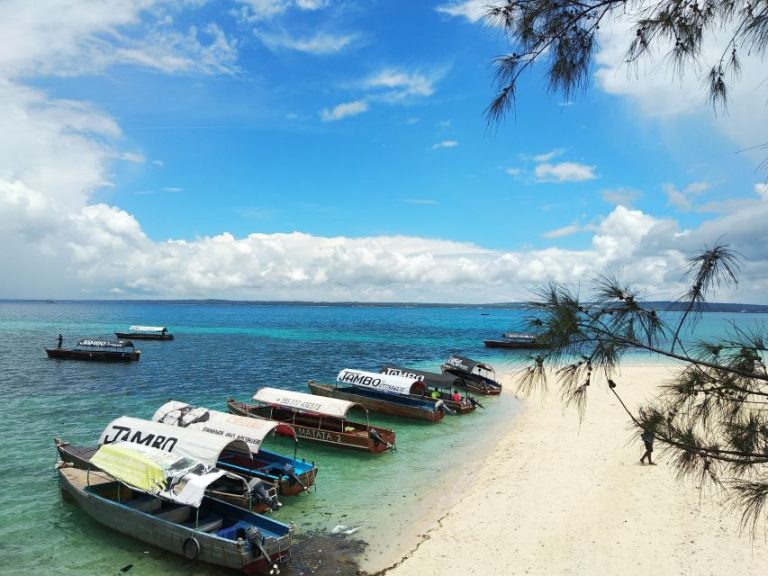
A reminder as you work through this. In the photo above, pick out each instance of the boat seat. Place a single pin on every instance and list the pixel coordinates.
(177, 515)
(208, 523)
(145, 504)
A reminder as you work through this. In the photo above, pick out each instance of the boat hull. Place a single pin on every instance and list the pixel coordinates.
(513, 345)
(80, 457)
(219, 548)
(477, 384)
(324, 430)
(132, 336)
(92, 356)
(378, 404)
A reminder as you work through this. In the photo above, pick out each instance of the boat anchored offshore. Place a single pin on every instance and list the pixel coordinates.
(146, 333)
(291, 476)
(317, 419)
(160, 498)
(478, 377)
(394, 395)
(516, 340)
(94, 350)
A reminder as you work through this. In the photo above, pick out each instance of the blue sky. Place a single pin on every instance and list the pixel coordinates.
(338, 150)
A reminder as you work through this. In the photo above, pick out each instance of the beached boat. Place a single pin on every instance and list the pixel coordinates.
(290, 475)
(516, 340)
(160, 499)
(478, 377)
(250, 493)
(317, 419)
(93, 350)
(440, 387)
(394, 395)
(146, 333)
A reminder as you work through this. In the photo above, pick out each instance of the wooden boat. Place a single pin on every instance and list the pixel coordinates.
(394, 395)
(478, 377)
(146, 333)
(291, 475)
(97, 351)
(159, 498)
(443, 387)
(252, 494)
(516, 340)
(317, 419)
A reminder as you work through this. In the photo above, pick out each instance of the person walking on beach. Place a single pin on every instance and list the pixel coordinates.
(60, 340)
(647, 437)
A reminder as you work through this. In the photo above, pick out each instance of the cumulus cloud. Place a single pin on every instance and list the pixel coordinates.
(564, 172)
(343, 111)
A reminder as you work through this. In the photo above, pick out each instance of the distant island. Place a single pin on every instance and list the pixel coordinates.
(662, 305)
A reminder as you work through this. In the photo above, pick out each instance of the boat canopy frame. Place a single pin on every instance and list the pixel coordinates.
(469, 366)
(251, 431)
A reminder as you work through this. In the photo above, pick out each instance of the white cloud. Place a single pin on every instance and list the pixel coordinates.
(655, 91)
(320, 43)
(762, 190)
(683, 199)
(445, 144)
(564, 172)
(472, 10)
(396, 85)
(569, 230)
(548, 156)
(43, 38)
(343, 111)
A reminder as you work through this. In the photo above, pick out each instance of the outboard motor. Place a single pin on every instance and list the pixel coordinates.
(259, 493)
(256, 538)
(289, 471)
(474, 402)
(377, 439)
(440, 405)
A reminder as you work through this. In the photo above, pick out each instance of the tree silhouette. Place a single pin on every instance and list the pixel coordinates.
(712, 420)
(564, 33)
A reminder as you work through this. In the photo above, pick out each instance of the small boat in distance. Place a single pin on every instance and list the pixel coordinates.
(394, 395)
(146, 333)
(97, 351)
(516, 340)
(317, 419)
(478, 377)
(160, 499)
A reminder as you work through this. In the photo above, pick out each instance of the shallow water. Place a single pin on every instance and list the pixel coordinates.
(230, 349)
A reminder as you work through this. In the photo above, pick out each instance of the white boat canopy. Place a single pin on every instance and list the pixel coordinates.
(148, 329)
(386, 383)
(184, 442)
(306, 402)
(252, 431)
(153, 471)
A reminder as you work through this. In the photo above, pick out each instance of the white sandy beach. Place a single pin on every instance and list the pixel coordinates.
(560, 497)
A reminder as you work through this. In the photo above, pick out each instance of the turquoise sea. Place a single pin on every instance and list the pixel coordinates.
(230, 349)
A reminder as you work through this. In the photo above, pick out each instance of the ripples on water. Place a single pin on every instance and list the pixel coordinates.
(221, 350)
